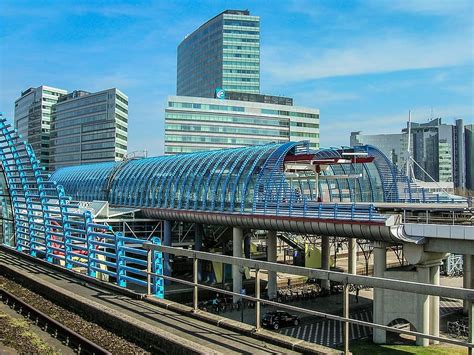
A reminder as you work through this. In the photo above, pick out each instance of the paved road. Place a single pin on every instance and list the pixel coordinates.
(329, 332)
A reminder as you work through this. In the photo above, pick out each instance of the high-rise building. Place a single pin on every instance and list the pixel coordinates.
(441, 151)
(195, 124)
(222, 53)
(89, 128)
(33, 118)
(469, 148)
(394, 146)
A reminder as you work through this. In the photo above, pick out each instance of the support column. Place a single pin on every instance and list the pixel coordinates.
(325, 257)
(198, 235)
(434, 303)
(272, 257)
(380, 264)
(352, 256)
(247, 245)
(167, 242)
(237, 238)
(468, 276)
(423, 313)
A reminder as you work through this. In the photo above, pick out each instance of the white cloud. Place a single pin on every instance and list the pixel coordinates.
(366, 56)
(428, 7)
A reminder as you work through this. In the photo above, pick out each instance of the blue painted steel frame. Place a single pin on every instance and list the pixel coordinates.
(46, 222)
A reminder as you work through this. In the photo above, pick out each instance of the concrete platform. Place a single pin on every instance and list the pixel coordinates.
(172, 332)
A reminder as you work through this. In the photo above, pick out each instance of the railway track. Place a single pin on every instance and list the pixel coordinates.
(71, 338)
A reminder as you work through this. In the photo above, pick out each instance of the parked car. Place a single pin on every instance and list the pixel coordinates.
(277, 319)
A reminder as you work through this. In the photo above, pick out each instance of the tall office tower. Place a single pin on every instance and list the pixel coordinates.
(469, 145)
(222, 53)
(33, 118)
(195, 124)
(89, 128)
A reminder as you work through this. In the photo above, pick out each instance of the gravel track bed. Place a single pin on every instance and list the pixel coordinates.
(89, 330)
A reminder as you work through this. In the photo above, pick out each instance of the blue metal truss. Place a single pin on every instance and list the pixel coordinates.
(47, 225)
(241, 180)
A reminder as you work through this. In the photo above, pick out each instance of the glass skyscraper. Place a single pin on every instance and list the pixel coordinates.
(222, 53)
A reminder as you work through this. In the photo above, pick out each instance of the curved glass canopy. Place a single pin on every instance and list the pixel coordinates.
(275, 179)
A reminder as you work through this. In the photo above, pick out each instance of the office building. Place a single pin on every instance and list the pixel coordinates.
(32, 118)
(222, 53)
(469, 149)
(442, 152)
(89, 128)
(195, 124)
(394, 146)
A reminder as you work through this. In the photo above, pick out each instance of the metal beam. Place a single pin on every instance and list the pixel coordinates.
(341, 277)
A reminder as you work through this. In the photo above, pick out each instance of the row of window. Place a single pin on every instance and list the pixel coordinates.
(205, 106)
(240, 71)
(239, 79)
(240, 55)
(243, 40)
(83, 101)
(226, 130)
(241, 32)
(249, 89)
(120, 108)
(80, 112)
(241, 23)
(244, 48)
(289, 113)
(52, 93)
(60, 123)
(121, 99)
(304, 124)
(305, 134)
(119, 117)
(244, 63)
(218, 140)
(249, 120)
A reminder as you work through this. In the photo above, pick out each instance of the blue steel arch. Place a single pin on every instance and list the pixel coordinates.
(239, 180)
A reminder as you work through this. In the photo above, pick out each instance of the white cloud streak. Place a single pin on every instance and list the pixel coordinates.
(367, 56)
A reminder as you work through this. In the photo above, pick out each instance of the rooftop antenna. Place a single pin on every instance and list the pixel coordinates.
(408, 147)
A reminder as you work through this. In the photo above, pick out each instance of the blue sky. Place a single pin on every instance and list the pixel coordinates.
(363, 63)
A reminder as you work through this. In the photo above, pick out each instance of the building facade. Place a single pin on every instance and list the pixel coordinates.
(469, 145)
(394, 146)
(441, 151)
(32, 118)
(222, 53)
(197, 124)
(89, 127)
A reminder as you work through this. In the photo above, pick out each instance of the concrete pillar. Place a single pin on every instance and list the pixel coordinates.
(237, 239)
(325, 257)
(352, 256)
(198, 235)
(468, 276)
(167, 241)
(423, 315)
(380, 264)
(434, 303)
(247, 242)
(272, 257)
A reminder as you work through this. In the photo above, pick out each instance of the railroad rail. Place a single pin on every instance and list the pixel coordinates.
(72, 339)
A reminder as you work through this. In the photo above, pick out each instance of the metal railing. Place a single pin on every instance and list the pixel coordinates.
(345, 279)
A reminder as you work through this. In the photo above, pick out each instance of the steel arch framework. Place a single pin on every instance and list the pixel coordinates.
(243, 180)
(38, 218)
